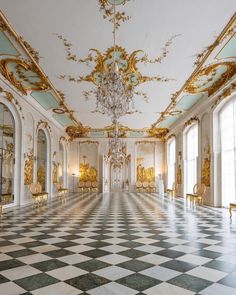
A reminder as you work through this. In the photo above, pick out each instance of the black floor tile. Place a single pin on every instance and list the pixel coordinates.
(87, 282)
(190, 282)
(138, 282)
(36, 281)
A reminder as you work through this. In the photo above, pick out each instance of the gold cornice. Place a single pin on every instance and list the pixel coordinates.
(226, 32)
(6, 26)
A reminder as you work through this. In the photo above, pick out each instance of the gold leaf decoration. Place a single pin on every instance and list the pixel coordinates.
(108, 13)
(29, 168)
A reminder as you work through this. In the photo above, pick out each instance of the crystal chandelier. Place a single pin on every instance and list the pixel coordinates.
(115, 146)
(114, 96)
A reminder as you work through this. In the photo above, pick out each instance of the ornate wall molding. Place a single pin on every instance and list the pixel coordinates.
(29, 168)
(10, 97)
(224, 95)
(43, 124)
(191, 121)
(88, 142)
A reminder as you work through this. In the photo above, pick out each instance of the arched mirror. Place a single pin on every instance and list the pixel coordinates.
(7, 153)
(42, 159)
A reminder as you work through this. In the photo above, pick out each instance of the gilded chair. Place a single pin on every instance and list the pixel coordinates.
(231, 206)
(171, 191)
(81, 186)
(62, 192)
(94, 186)
(198, 194)
(138, 186)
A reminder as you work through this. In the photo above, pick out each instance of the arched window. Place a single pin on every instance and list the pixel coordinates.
(171, 157)
(191, 154)
(227, 118)
(42, 159)
(7, 154)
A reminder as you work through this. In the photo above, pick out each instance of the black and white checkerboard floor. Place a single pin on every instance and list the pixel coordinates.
(118, 244)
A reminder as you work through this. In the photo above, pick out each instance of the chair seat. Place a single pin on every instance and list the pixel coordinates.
(193, 195)
(232, 204)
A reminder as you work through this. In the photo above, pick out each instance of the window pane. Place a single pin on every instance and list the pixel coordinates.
(191, 158)
(228, 150)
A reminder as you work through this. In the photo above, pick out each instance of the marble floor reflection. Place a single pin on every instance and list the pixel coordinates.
(118, 244)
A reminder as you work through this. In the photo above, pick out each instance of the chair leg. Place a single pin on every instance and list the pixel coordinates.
(230, 211)
(1, 209)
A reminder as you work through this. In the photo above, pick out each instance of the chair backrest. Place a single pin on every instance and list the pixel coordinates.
(59, 185)
(32, 188)
(199, 189)
(88, 184)
(145, 184)
(81, 184)
(173, 186)
(38, 187)
(94, 184)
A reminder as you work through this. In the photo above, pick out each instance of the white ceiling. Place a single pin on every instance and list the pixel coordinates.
(152, 23)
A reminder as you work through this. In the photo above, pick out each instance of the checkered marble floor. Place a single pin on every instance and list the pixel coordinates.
(117, 244)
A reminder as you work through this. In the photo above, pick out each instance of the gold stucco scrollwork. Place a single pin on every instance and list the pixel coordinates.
(22, 75)
(191, 121)
(206, 168)
(211, 78)
(29, 168)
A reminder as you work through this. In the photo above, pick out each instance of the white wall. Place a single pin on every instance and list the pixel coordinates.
(26, 120)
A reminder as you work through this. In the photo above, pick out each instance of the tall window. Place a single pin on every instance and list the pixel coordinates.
(228, 152)
(191, 149)
(171, 162)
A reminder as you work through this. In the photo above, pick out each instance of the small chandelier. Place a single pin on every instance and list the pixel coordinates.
(114, 95)
(115, 146)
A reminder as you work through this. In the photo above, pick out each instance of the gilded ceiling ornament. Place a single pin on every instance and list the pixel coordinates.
(33, 55)
(77, 131)
(23, 75)
(31, 50)
(228, 31)
(159, 133)
(127, 64)
(108, 13)
(211, 78)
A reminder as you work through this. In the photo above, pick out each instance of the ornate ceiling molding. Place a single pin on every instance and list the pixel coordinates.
(33, 56)
(106, 8)
(201, 59)
(127, 63)
(211, 84)
(22, 75)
